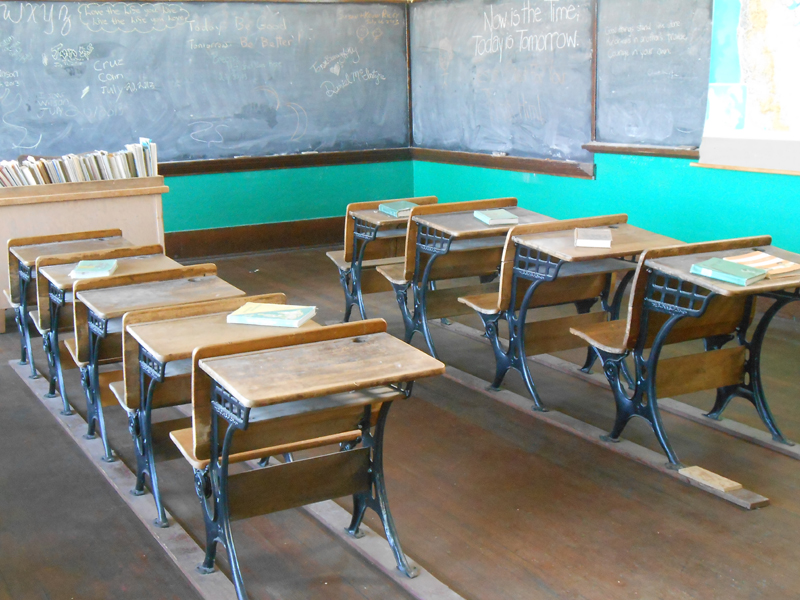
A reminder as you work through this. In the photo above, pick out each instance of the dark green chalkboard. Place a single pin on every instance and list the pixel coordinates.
(204, 80)
(652, 71)
(506, 77)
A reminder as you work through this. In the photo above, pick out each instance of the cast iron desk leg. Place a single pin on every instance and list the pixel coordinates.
(57, 300)
(376, 498)
(753, 391)
(25, 276)
(98, 329)
(151, 373)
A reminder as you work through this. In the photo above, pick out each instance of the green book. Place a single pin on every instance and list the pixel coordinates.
(400, 208)
(730, 272)
(271, 315)
(498, 216)
(88, 269)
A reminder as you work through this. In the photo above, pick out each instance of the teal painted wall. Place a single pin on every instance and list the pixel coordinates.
(230, 199)
(660, 194)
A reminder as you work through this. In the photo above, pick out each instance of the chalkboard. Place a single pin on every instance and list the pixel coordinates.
(203, 80)
(509, 77)
(652, 71)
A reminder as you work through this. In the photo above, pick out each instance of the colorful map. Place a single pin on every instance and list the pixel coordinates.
(754, 89)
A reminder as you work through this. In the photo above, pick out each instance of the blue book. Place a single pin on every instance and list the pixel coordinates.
(727, 271)
(400, 208)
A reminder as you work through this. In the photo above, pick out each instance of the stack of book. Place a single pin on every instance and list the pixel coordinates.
(744, 269)
(136, 160)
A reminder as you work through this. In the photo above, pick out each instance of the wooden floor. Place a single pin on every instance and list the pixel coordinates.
(494, 503)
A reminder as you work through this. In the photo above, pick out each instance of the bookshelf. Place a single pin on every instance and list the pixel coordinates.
(132, 205)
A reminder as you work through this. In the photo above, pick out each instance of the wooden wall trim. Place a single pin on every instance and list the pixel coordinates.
(691, 152)
(506, 163)
(286, 161)
(254, 238)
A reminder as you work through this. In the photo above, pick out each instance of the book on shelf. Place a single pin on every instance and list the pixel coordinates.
(773, 265)
(399, 208)
(497, 216)
(136, 160)
(728, 271)
(89, 269)
(594, 237)
(272, 315)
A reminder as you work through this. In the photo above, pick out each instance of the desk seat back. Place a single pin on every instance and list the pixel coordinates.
(480, 261)
(42, 287)
(13, 262)
(341, 417)
(130, 347)
(80, 312)
(380, 248)
(723, 315)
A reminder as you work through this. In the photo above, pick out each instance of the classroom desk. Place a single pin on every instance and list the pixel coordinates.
(106, 306)
(26, 256)
(782, 290)
(368, 226)
(318, 376)
(170, 343)
(543, 257)
(59, 285)
(441, 234)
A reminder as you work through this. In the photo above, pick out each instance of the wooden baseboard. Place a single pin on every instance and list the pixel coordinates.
(254, 238)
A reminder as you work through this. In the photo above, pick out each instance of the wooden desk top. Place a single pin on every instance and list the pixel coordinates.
(679, 266)
(376, 217)
(27, 255)
(110, 303)
(319, 369)
(465, 225)
(58, 275)
(627, 241)
(175, 339)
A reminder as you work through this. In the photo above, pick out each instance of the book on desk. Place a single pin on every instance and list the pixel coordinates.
(498, 216)
(594, 237)
(400, 208)
(90, 269)
(271, 315)
(728, 271)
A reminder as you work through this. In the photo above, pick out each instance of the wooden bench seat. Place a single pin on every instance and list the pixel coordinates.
(337, 256)
(14, 304)
(608, 336)
(282, 420)
(395, 273)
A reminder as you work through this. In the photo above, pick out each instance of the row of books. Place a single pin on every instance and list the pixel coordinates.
(136, 160)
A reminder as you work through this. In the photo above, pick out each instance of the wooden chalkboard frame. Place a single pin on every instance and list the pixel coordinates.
(691, 152)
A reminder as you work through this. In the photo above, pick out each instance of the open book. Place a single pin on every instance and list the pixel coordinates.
(774, 266)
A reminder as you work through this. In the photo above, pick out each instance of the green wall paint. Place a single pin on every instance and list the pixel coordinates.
(661, 194)
(252, 197)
